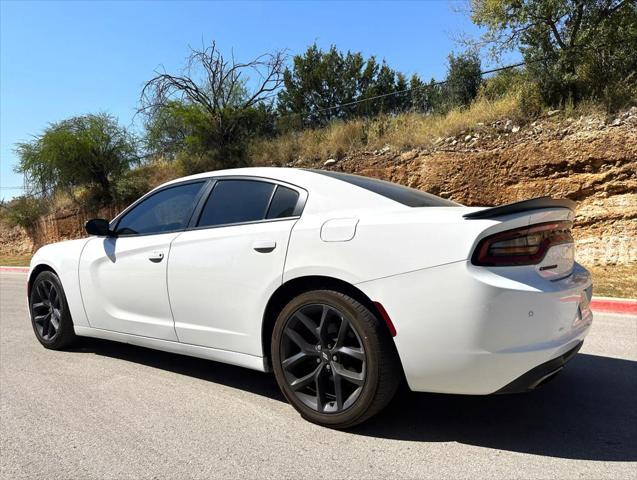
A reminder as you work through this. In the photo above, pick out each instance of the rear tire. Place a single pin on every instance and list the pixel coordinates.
(333, 359)
(50, 315)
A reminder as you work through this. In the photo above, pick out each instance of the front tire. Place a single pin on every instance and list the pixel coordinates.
(50, 316)
(333, 359)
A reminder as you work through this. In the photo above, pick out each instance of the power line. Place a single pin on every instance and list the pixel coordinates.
(406, 90)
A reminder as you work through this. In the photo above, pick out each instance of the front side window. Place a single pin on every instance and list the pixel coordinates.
(236, 201)
(165, 211)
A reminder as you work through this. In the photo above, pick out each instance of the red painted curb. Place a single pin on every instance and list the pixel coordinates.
(15, 269)
(612, 305)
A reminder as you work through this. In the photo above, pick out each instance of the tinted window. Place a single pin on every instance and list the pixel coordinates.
(234, 201)
(165, 211)
(409, 197)
(283, 203)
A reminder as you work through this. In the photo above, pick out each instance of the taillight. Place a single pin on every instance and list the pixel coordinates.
(521, 246)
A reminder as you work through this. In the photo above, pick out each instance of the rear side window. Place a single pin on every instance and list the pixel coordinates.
(409, 197)
(168, 210)
(236, 201)
(283, 203)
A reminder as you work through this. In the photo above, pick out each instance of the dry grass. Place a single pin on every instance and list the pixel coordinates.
(15, 261)
(401, 132)
(615, 281)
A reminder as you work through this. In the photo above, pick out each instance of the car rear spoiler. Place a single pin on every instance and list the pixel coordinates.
(523, 206)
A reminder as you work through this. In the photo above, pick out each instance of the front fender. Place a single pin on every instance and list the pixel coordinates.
(63, 259)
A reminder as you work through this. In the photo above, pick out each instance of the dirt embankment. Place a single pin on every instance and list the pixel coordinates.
(18, 245)
(592, 160)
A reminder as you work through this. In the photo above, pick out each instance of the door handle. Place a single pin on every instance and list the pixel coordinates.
(264, 246)
(156, 256)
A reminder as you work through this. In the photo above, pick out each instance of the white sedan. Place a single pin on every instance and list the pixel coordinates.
(342, 285)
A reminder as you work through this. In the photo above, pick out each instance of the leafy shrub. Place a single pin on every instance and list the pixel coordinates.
(141, 180)
(25, 211)
(502, 83)
(514, 83)
(531, 101)
(130, 187)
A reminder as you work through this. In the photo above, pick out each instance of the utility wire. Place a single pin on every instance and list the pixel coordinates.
(407, 90)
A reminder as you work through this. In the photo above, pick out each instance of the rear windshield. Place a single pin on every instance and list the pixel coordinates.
(409, 197)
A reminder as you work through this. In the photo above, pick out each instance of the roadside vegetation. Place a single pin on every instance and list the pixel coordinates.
(400, 131)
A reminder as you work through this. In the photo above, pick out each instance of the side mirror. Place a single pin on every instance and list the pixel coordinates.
(99, 227)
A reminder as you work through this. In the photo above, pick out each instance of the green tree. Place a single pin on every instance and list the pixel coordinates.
(206, 115)
(463, 79)
(90, 151)
(178, 130)
(426, 98)
(321, 86)
(575, 49)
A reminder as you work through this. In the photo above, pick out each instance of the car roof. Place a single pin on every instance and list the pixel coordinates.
(285, 174)
(324, 193)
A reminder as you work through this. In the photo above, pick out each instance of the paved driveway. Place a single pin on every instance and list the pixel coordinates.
(106, 410)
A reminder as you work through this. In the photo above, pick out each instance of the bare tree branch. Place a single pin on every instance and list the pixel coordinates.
(211, 81)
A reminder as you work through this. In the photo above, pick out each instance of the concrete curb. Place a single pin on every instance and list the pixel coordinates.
(598, 304)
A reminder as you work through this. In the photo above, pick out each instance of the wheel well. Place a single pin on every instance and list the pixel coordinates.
(295, 287)
(34, 274)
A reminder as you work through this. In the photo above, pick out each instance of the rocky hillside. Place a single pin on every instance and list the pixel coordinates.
(590, 159)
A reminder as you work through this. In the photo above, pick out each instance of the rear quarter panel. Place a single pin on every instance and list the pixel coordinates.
(385, 243)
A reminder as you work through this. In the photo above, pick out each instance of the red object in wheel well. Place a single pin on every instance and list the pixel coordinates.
(385, 315)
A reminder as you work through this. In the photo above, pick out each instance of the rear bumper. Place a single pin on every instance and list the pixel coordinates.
(469, 330)
(540, 374)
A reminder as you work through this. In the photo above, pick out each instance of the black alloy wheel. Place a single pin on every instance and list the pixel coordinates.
(323, 358)
(334, 359)
(50, 314)
(47, 309)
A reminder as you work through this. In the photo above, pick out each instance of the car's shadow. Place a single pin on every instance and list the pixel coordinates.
(588, 412)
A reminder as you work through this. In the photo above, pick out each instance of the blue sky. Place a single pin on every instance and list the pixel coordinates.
(59, 59)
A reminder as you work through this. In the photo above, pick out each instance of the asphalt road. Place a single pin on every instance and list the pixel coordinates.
(106, 410)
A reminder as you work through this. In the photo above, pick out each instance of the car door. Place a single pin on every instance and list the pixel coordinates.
(222, 272)
(123, 277)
